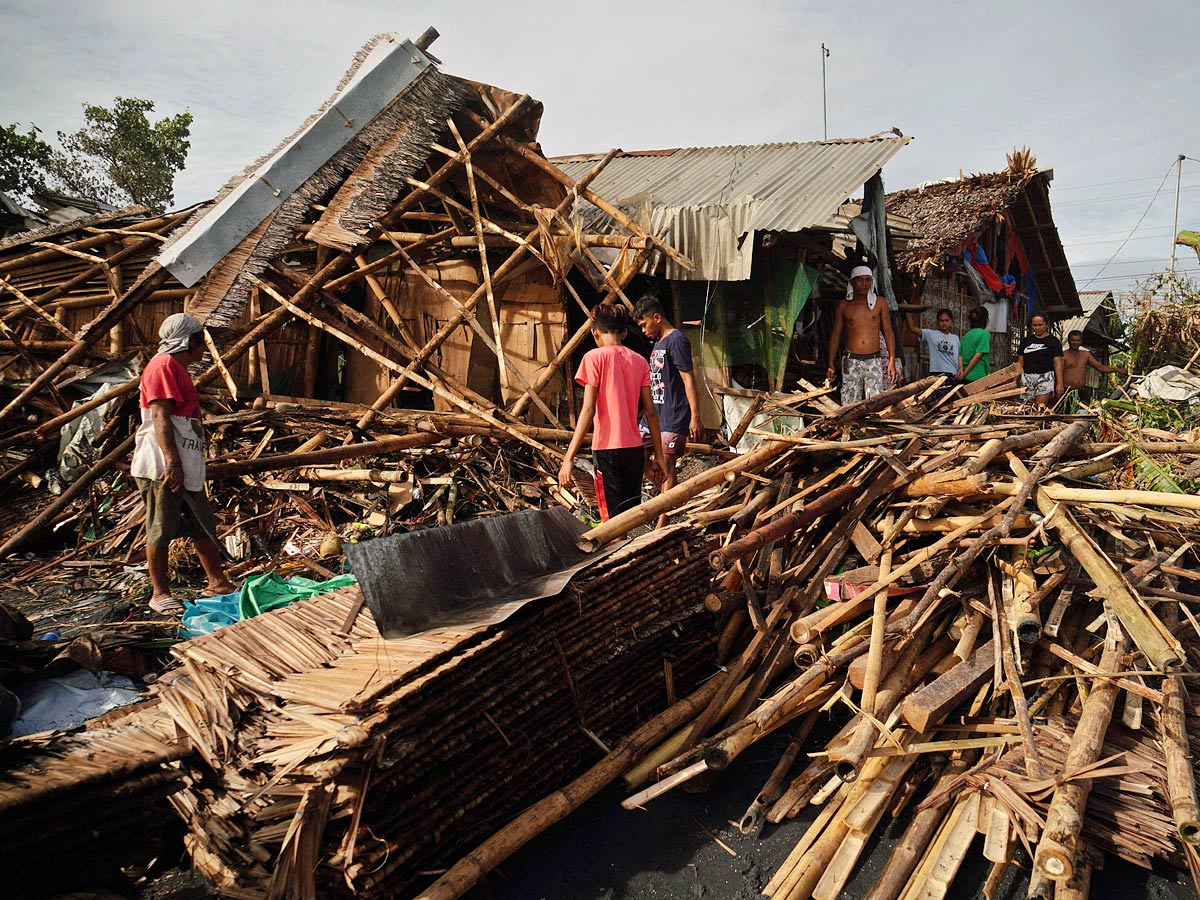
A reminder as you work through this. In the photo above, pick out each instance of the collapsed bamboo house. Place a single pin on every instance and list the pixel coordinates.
(1001, 642)
(419, 253)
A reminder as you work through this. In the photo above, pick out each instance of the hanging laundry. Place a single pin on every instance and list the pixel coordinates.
(973, 255)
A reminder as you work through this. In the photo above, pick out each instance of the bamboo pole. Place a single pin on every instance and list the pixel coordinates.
(1033, 760)
(468, 871)
(917, 837)
(493, 306)
(322, 457)
(751, 822)
(625, 522)
(1098, 495)
(1145, 629)
(87, 336)
(1058, 850)
(1181, 776)
(723, 557)
(377, 476)
(878, 623)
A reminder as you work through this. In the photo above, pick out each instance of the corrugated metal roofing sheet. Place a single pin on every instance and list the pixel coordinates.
(1091, 301)
(708, 198)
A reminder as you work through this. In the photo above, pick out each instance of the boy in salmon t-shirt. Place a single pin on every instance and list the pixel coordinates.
(614, 379)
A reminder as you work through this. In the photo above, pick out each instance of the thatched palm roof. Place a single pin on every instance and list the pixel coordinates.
(948, 213)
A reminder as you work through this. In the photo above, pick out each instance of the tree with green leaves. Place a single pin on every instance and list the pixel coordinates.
(23, 159)
(119, 156)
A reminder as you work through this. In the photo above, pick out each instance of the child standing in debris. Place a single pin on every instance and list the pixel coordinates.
(943, 345)
(614, 379)
(672, 387)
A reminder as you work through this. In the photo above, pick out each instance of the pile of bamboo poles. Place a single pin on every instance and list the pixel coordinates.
(334, 760)
(999, 647)
(432, 469)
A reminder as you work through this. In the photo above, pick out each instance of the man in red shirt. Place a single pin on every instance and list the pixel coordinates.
(168, 462)
(614, 379)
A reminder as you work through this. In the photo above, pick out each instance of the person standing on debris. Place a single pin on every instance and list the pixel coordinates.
(672, 387)
(975, 350)
(614, 379)
(863, 319)
(168, 462)
(942, 342)
(1076, 361)
(1040, 362)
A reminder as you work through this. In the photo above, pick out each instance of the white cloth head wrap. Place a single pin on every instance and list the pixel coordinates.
(872, 297)
(176, 332)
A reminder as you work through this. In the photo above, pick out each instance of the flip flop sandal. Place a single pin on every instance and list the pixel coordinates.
(167, 606)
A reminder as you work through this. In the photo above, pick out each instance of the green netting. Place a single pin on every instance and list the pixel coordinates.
(788, 289)
(747, 322)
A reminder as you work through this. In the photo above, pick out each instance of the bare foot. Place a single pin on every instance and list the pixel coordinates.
(219, 588)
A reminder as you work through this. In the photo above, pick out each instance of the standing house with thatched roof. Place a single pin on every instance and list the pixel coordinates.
(987, 239)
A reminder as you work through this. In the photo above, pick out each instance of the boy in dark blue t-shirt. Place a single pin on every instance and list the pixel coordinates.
(672, 386)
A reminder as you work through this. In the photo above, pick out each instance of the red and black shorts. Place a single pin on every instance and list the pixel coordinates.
(618, 480)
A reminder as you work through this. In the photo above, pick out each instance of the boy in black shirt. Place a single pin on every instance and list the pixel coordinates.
(1040, 361)
(672, 386)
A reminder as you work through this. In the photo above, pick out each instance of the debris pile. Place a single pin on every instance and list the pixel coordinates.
(1001, 649)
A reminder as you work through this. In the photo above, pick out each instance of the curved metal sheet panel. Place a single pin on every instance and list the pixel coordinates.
(713, 197)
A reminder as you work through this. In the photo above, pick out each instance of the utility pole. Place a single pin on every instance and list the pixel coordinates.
(824, 104)
(1175, 228)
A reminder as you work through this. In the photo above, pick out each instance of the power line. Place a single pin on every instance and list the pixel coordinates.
(1119, 197)
(1123, 262)
(1080, 187)
(1178, 271)
(1166, 175)
(1144, 237)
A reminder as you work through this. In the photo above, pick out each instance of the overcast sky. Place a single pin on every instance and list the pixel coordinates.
(1104, 92)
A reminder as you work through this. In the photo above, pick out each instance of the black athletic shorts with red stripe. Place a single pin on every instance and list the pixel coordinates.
(618, 479)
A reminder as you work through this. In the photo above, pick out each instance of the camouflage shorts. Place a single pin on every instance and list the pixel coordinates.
(1037, 384)
(861, 378)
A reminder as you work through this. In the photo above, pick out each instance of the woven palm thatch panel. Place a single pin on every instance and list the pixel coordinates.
(375, 184)
(349, 763)
(74, 808)
(946, 214)
(409, 124)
